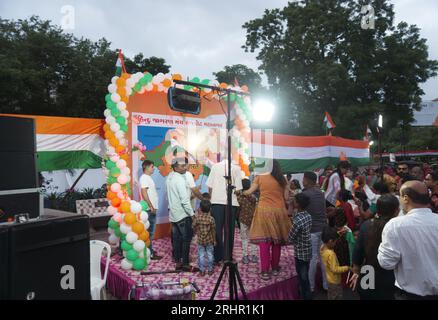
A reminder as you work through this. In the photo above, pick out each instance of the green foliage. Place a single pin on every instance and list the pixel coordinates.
(48, 72)
(243, 74)
(318, 58)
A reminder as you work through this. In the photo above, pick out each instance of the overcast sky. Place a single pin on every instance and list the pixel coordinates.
(195, 37)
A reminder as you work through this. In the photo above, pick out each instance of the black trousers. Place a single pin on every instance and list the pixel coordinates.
(182, 234)
(218, 213)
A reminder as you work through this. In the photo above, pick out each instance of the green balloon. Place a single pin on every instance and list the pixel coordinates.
(144, 205)
(124, 127)
(123, 236)
(115, 172)
(109, 164)
(148, 77)
(132, 255)
(108, 97)
(115, 112)
(120, 120)
(139, 264)
(117, 232)
(111, 104)
(142, 81)
(112, 180)
(205, 81)
(113, 224)
(125, 245)
(137, 87)
(188, 88)
(196, 80)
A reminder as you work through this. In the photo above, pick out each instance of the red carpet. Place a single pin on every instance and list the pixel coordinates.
(282, 287)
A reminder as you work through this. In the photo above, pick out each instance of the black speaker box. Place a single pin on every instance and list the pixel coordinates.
(46, 259)
(17, 154)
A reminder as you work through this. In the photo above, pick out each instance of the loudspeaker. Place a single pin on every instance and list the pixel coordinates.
(184, 101)
(46, 258)
(15, 202)
(17, 154)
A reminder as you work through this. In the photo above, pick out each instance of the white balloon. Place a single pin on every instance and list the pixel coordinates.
(136, 207)
(107, 113)
(126, 264)
(110, 231)
(114, 79)
(112, 88)
(106, 172)
(160, 87)
(122, 179)
(141, 254)
(117, 216)
(119, 134)
(131, 237)
(121, 164)
(113, 239)
(120, 194)
(124, 113)
(110, 120)
(121, 105)
(115, 187)
(111, 150)
(139, 245)
(160, 77)
(149, 86)
(126, 171)
(115, 97)
(147, 225)
(144, 216)
(115, 158)
(148, 252)
(143, 90)
(139, 75)
(128, 91)
(125, 229)
(130, 82)
(115, 127)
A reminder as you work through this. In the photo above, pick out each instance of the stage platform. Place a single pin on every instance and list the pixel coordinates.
(282, 287)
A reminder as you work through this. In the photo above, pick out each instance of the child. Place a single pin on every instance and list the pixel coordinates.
(204, 227)
(344, 196)
(344, 246)
(247, 207)
(299, 236)
(331, 264)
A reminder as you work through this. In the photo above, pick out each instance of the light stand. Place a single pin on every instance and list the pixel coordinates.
(229, 223)
(379, 132)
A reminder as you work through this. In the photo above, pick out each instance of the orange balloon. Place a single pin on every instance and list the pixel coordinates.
(148, 243)
(155, 88)
(120, 82)
(130, 218)
(167, 83)
(110, 195)
(223, 85)
(124, 157)
(177, 76)
(125, 206)
(116, 202)
(106, 127)
(138, 227)
(120, 149)
(125, 99)
(121, 91)
(125, 75)
(144, 236)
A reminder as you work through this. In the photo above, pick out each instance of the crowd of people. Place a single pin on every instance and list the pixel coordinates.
(375, 232)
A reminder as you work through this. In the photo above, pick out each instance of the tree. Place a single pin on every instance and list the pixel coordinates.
(48, 72)
(318, 58)
(243, 74)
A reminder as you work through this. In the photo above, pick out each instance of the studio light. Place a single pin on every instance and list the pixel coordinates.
(380, 121)
(263, 111)
(371, 143)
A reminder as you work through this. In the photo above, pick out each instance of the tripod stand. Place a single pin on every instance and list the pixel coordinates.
(229, 263)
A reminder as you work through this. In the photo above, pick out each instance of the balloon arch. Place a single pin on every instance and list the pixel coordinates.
(129, 222)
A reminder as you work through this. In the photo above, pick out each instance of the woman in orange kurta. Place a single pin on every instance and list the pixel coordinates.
(271, 224)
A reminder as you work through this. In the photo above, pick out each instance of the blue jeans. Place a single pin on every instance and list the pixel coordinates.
(302, 268)
(316, 255)
(218, 213)
(182, 234)
(202, 252)
(152, 218)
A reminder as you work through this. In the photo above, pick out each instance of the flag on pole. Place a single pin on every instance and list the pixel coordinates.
(367, 134)
(329, 124)
(120, 64)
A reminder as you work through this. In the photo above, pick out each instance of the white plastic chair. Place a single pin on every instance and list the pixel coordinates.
(97, 283)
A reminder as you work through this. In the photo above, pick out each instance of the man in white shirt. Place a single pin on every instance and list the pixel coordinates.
(410, 245)
(193, 190)
(180, 213)
(149, 194)
(217, 187)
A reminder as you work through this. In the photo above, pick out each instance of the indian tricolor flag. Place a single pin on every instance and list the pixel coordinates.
(68, 143)
(329, 124)
(299, 153)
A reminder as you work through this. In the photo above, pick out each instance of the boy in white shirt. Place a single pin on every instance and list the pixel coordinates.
(149, 194)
